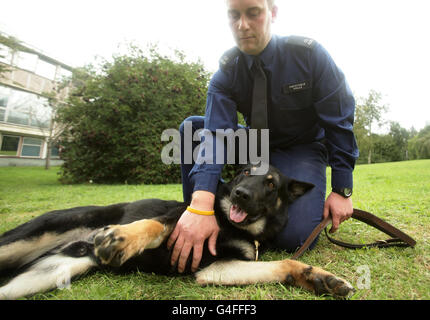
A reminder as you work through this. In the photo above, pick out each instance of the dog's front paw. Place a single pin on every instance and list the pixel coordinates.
(324, 282)
(115, 244)
(110, 245)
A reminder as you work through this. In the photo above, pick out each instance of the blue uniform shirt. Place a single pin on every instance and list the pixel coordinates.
(308, 100)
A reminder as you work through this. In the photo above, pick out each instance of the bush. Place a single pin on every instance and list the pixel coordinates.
(116, 115)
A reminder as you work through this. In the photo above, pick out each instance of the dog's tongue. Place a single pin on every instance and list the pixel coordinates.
(237, 214)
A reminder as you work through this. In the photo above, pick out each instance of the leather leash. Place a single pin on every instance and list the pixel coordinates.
(399, 238)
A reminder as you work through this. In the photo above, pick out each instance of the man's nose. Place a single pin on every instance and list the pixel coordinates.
(243, 23)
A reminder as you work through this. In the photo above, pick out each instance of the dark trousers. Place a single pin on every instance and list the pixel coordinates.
(306, 162)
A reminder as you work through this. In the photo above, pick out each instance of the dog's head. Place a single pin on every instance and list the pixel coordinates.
(253, 197)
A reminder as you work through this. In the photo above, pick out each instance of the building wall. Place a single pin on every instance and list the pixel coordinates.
(23, 162)
(25, 115)
(31, 82)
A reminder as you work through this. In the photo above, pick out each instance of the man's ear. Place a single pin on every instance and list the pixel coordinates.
(296, 189)
(274, 13)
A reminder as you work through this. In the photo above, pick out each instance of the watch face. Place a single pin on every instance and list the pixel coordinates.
(344, 192)
(347, 192)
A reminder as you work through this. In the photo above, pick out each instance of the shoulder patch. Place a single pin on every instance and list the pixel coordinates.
(228, 57)
(301, 41)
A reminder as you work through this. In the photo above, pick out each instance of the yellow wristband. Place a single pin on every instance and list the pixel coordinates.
(201, 212)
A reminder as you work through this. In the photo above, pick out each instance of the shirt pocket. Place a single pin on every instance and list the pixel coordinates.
(295, 96)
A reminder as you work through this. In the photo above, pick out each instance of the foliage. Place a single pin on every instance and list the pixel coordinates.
(419, 145)
(388, 147)
(368, 113)
(117, 113)
(11, 43)
(397, 145)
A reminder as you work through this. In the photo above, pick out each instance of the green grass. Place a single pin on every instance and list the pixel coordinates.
(397, 192)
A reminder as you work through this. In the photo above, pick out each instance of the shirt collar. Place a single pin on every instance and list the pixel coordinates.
(265, 56)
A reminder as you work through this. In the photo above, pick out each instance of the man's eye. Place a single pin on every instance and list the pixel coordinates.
(254, 12)
(233, 15)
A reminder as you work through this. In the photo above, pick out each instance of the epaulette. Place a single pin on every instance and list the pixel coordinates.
(301, 41)
(228, 57)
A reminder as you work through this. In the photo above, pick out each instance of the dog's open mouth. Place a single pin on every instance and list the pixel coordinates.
(237, 214)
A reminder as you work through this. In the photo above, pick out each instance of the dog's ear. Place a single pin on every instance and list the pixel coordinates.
(296, 189)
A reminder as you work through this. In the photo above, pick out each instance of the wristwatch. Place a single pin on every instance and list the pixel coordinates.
(344, 192)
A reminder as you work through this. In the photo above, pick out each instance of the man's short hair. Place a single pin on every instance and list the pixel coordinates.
(270, 3)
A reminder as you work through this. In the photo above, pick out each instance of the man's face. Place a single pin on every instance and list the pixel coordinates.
(250, 22)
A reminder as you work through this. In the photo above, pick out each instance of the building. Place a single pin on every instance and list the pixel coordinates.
(25, 114)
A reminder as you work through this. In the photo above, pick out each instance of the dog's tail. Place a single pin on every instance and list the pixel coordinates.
(53, 270)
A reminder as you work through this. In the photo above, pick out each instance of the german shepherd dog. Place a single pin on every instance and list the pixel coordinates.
(250, 210)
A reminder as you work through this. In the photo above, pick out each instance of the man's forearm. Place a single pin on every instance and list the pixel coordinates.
(203, 200)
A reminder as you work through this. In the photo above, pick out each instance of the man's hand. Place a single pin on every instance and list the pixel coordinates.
(192, 230)
(339, 208)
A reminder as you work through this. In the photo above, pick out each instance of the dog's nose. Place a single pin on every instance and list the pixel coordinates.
(242, 193)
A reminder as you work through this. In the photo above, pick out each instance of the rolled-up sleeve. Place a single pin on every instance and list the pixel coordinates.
(221, 113)
(335, 106)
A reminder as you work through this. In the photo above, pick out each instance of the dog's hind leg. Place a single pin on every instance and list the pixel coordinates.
(287, 271)
(115, 244)
(32, 239)
(50, 272)
(20, 252)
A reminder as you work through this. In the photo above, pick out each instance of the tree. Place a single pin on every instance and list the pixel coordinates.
(400, 137)
(56, 127)
(117, 112)
(419, 145)
(384, 149)
(368, 113)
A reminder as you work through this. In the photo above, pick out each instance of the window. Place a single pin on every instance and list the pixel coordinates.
(19, 107)
(55, 152)
(21, 146)
(5, 55)
(26, 61)
(9, 146)
(3, 100)
(46, 69)
(63, 74)
(4, 97)
(31, 147)
(24, 108)
(40, 113)
(17, 117)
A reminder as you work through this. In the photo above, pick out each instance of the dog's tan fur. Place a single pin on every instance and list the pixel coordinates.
(285, 271)
(129, 240)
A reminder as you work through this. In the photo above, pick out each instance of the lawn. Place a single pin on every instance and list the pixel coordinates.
(397, 192)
